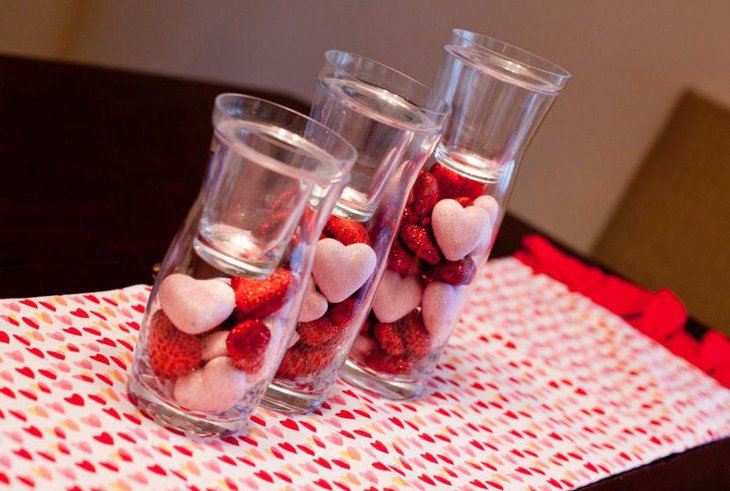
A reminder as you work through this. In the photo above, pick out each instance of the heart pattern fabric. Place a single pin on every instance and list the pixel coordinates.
(538, 388)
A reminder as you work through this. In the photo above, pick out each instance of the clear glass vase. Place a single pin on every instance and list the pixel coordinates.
(499, 94)
(394, 123)
(223, 307)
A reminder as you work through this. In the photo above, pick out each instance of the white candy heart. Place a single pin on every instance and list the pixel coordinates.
(195, 306)
(214, 345)
(341, 270)
(396, 296)
(314, 305)
(458, 230)
(490, 204)
(440, 309)
(215, 388)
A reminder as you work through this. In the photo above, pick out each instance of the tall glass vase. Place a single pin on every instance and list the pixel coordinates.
(223, 308)
(394, 123)
(499, 94)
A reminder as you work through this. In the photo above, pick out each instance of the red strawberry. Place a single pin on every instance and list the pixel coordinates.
(302, 360)
(272, 224)
(465, 201)
(172, 352)
(341, 313)
(389, 338)
(285, 201)
(425, 194)
(257, 298)
(346, 231)
(382, 362)
(416, 339)
(318, 332)
(410, 216)
(402, 261)
(454, 185)
(247, 344)
(420, 240)
(453, 272)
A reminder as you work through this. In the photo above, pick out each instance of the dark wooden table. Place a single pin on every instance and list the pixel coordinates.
(99, 167)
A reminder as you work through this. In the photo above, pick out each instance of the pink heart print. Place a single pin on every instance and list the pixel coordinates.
(459, 230)
(340, 270)
(195, 306)
(215, 388)
(396, 296)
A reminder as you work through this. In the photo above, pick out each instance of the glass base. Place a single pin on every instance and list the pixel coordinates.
(399, 390)
(284, 399)
(166, 415)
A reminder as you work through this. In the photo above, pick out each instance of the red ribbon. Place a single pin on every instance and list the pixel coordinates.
(659, 315)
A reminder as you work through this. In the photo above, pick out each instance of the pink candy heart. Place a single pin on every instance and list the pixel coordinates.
(215, 388)
(340, 270)
(363, 346)
(195, 306)
(440, 309)
(214, 345)
(314, 305)
(490, 204)
(459, 230)
(396, 296)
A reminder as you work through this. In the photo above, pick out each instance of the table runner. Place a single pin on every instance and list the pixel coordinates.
(540, 388)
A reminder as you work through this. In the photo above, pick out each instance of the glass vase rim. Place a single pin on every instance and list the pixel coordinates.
(556, 76)
(342, 153)
(427, 96)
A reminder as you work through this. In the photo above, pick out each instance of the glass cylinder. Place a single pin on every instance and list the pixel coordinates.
(222, 310)
(394, 123)
(499, 94)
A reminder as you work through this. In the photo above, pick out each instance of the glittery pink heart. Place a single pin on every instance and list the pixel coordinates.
(440, 308)
(396, 296)
(314, 305)
(490, 204)
(214, 345)
(340, 270)
(458, 231)
(215, 388)
(363, 345)
(195, 306)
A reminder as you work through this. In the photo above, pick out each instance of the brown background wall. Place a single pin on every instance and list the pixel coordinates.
(630, 61)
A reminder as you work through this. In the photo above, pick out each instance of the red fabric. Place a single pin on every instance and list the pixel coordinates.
(659, 315)
(715, 352)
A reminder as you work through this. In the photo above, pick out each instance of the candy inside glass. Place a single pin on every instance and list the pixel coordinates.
(222, 310)
(394, 123)
(499, 94)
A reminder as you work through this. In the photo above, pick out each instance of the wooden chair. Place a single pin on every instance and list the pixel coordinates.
(672, 228)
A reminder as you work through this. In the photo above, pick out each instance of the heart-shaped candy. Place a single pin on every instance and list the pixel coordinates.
(440, 309)
(459, 230)
(215, 388)
(195, 306)
(214, 345)
(396, 296)
(341, 270)
(490, 204)
(314, 305)
(364, 345)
